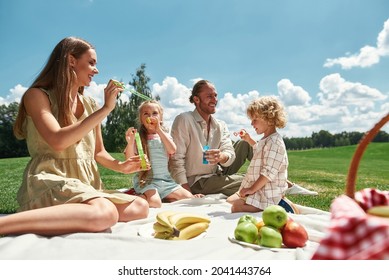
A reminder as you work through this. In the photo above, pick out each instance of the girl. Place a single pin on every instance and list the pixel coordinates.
(61, 190)
(266, 179)
(155, 184)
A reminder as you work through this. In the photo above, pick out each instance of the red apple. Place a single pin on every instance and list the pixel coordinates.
(294, 235)
(290, 219)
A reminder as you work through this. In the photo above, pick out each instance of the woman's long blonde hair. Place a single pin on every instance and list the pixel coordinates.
(59, 77)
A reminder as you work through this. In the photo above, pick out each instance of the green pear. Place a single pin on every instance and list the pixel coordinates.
(247, 232)
(270, 237)
(275, 216)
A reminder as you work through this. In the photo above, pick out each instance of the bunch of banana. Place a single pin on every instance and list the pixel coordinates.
(179, 225)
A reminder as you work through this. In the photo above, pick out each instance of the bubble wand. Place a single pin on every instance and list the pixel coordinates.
(140, 151)
(119, 84)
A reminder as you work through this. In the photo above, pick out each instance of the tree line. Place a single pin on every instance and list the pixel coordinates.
(324, 139)
(125, 115)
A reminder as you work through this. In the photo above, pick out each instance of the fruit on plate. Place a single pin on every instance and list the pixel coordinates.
(260, 224)
(247, 218)
(381, 211)
(294, 234)
(270, 237)
(246, 231)
(192, 231)
(275, 216)
(179, 225)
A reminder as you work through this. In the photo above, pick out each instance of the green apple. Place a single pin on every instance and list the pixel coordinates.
(275, 216)
(247, 232)
(247, 218)
(270, 237)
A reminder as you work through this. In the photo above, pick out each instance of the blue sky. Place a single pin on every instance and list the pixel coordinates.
(327, 60)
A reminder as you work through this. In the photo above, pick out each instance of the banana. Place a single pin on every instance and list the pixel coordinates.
(163, 218)
(187, 218)
(162, 228)
(181, 226)
(382, 211)
(159, 228)
(192, 231)
(163, 235)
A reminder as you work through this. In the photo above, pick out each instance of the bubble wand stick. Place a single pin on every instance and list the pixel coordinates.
(140, 151)
(132, 91)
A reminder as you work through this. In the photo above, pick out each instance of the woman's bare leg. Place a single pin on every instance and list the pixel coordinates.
(94, 215)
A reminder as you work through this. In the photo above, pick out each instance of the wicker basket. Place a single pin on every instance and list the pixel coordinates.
(368, 137)
(352, 233)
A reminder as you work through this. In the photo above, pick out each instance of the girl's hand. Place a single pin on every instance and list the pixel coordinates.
(130, 135)
(152, 124)
(111, 93)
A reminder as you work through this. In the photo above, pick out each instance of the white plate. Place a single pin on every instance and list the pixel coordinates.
(147, 231)
(259, 247)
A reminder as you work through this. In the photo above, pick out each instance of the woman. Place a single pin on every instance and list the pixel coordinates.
(62, 190)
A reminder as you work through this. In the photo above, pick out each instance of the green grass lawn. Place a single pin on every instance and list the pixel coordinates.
(322, 170)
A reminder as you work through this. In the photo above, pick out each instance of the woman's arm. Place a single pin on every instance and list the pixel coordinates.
(59, 138)
(130, 165)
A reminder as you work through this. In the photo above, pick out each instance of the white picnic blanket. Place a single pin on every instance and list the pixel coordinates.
(123, 241)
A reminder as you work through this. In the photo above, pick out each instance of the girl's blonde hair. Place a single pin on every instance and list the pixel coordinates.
(143, 135)
(269, 109)
(59, 77)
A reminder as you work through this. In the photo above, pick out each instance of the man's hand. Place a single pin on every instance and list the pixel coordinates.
(215, 156)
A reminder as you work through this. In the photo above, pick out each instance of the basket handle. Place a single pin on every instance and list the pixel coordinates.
(366, 139)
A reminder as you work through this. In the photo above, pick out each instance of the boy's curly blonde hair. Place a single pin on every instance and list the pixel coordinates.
(269, 109)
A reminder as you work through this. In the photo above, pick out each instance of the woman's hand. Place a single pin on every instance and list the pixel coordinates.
(111, 93)
(133, 164)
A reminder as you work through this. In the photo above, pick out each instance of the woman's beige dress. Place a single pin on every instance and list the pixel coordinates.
(69, 176)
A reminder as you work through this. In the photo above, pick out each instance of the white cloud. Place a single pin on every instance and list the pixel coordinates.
(96, 91)
(15, 94)
(291, 94)
(367, 55)
(359, 98)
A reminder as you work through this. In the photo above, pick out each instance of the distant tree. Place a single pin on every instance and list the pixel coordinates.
(381, 136)
(355, 137)
(125, 113)
(9, 145)
(323, 139)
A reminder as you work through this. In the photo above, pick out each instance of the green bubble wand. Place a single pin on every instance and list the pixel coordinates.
(140, 151)
(119, 84)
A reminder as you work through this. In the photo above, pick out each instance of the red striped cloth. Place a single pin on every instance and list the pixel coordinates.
(352, 233)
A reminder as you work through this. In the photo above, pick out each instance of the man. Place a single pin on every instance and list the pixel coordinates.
(192, 132)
